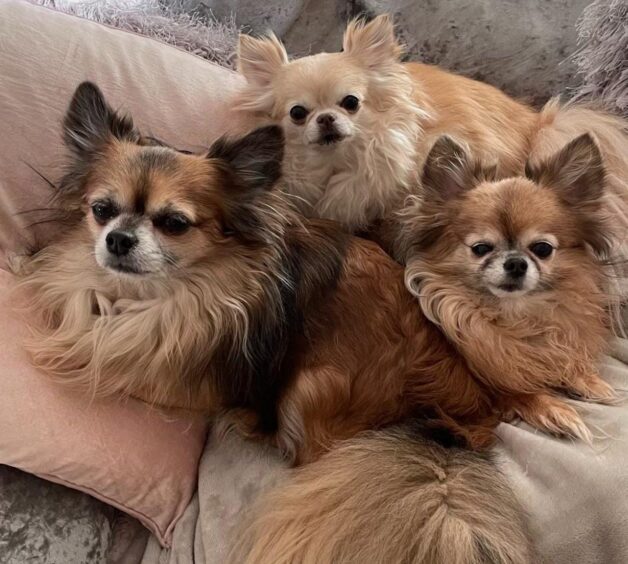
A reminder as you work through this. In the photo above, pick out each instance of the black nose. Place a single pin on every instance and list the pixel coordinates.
(325, 119)
(119, 243)
(516, 267)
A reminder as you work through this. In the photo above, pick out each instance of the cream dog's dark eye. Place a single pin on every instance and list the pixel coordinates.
(350, 103)
(298, 114)
(104, 210)
(172, 224)
(481, 249)
(542, 249)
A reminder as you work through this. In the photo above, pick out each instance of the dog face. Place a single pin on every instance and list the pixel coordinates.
(321, 100)
(509, 242)
(152, 210)
(516, 237)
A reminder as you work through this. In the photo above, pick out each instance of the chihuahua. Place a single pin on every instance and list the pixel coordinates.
(512, 271)
(359, 125)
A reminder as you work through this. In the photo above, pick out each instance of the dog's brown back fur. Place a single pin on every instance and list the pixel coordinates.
(370, 358)
(473, 113)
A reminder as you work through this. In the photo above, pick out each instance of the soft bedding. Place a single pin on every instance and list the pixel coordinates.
(574, 494)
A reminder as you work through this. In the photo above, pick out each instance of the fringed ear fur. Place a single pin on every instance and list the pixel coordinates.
(449, 171)
(374, 43)
(90, 122)
(253, 166)
(576, 174)
(260, 58)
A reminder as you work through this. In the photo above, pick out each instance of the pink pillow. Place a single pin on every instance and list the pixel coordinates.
(123, 453)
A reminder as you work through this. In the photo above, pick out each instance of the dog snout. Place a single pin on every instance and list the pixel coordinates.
(119, 243)
(326, 120)
(516, 267)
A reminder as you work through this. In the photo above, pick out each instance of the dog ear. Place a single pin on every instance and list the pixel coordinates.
(448, 171)
(254, 159)
(252, 166)
(373, 43)
(259, 59)
(576, 173)
(90, 122)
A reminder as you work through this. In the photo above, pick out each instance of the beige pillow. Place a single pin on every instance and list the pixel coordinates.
(121, 452)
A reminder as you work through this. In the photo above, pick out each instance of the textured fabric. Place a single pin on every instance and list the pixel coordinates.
(60, 525)
(232, 473)
(169, 22)
(522, 47)
(121, 453)
(601, 59)
(574, 494)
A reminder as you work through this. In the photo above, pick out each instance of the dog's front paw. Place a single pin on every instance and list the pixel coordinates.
(593, 388)
(552, 415)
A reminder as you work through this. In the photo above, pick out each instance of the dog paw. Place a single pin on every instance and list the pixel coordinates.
(552, 415)
(593, 388)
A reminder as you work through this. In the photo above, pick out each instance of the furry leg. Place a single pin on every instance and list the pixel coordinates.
(550, 414)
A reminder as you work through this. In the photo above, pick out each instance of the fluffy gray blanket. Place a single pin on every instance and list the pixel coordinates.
(603, 55)
(521, 47)
(171, 21)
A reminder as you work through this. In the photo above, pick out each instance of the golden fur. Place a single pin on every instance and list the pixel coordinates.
(560, 123)
(153, 335)
(297, 332)
(357, 180)
(308, 331)
(303, 333)
(405, 107)
(522, 346)
(371, 359)
(388, 497)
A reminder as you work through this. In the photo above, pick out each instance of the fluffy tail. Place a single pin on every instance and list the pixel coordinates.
(561, 123)
(389, 498)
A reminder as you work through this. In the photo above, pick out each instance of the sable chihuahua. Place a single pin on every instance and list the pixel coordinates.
(508, 270)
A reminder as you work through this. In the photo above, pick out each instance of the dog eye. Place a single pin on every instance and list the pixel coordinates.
(298, 114)
(173, 224)
(350, 103)
(481, 249)
(104, 211)
(542, 249)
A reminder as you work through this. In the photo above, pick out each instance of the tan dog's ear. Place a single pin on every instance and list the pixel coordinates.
(576, 173)
(259, 59)
(373, 43)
